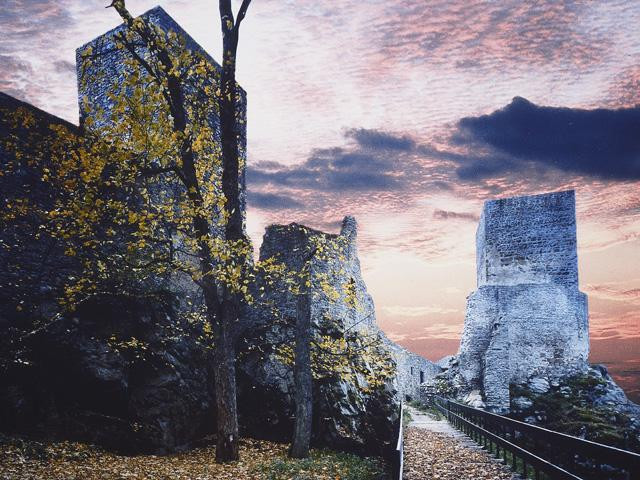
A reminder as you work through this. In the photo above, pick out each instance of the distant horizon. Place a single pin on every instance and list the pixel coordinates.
(408, 116)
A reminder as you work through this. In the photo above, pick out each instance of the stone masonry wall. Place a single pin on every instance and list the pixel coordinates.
(412, 370)
(527, 319)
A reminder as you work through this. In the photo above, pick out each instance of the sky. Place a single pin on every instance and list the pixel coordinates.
(409, 114)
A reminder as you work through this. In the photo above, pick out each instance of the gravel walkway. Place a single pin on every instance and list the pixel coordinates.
(435, 450)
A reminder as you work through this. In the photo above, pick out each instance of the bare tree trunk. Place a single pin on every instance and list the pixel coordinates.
(303, 380)
(225, 385)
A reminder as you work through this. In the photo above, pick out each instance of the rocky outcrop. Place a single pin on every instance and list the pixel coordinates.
(122, 371)
(588, 405)
(350, 410)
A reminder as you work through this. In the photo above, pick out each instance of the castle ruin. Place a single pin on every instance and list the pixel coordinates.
(103, 65)
(527, 321)
(162, 402)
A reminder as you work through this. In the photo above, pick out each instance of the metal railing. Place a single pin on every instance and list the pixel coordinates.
(535, 450)
(398, 459)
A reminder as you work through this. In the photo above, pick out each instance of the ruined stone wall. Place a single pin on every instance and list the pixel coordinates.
(288, 243)
(33, 267)
(412, 370)
(527, 319)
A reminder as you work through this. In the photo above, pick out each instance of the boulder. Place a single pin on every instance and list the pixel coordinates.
(539, 385)
(474, 399)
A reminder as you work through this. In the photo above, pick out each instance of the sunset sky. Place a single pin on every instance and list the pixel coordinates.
(408, 115)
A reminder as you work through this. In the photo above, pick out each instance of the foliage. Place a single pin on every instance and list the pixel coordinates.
(429, 410)
(353, 353)
(125, 212)
(444, 388)
(358, 358)
(407, 418)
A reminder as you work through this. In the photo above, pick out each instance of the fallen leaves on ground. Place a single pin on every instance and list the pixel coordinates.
(431, 455)
(22, 459)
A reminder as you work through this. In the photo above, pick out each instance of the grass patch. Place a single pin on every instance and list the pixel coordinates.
(426, 409)
(323, 464)
(406, 417)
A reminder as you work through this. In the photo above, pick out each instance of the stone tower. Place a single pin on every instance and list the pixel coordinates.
(108, 69)
(527, 319)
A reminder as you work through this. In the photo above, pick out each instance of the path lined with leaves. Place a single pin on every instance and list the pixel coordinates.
(435, 450)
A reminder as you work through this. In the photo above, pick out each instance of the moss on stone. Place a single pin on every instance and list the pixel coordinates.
(569, 408)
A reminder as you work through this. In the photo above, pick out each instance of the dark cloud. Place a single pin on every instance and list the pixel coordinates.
(482, 168)
(600, 143)
(380, 161)
(272, 201)
(447, 215)
(381, 140)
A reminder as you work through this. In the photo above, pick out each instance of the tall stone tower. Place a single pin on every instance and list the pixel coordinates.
(108, 69)
(527, 319)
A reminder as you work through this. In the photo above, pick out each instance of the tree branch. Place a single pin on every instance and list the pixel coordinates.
(242, 13)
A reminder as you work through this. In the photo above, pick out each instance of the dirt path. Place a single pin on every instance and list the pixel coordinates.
(433, 449)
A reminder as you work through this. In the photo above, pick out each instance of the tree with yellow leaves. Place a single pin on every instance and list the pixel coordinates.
(149, 192)
(222, 267)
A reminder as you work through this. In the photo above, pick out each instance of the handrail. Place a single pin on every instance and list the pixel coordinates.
(605, 450)
(540, 463)
(557, 454)
(400, 444)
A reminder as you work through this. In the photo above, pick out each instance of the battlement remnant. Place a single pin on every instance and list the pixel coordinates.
(527, 320)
